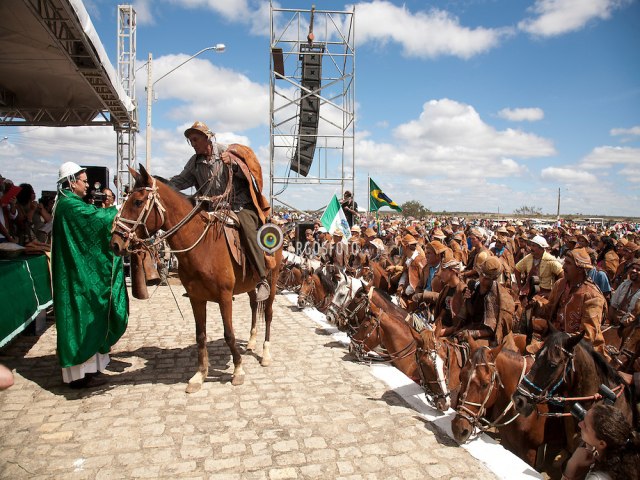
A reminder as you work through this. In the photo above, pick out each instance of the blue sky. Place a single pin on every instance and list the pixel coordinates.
(472, 105)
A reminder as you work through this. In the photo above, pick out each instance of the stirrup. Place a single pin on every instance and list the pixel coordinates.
(263, 290)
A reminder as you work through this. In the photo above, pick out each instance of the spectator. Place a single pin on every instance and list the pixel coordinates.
(611, 449)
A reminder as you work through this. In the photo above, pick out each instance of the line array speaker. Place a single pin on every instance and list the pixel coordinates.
(311, 57)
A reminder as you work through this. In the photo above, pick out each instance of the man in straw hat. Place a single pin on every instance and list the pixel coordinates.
(208, 171)
(478, 250)
(627, 255)
(575, 303)
(625, 303)
(430, 283)
(413, 261)
(488, 309)
(451, 297)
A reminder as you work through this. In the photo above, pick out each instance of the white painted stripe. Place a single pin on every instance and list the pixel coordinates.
(503, 463)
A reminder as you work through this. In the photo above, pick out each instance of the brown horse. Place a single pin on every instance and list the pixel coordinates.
(317, 289)
(290, 278)
(206, 269)
(488, 382)
(624, 347)
(569, 370)
(395, 336)
(440, 362)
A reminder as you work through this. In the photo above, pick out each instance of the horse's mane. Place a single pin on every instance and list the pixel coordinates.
(602, 365)
(608, 372)
(387, 298)
(328, 283)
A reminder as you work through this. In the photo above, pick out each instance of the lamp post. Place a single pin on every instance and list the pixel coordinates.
(220, 47)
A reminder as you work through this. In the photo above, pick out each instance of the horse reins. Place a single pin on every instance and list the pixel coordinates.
(477, 419)
(545, 395)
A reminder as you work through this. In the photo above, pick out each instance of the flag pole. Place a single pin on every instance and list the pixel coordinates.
(368, 197)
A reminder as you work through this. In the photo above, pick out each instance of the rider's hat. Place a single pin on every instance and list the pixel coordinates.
(200, 127)
(491, 268)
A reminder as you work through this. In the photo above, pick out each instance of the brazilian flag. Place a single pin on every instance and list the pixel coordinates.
(378, 199)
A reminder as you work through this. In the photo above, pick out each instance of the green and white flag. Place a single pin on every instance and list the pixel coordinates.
(333, 219)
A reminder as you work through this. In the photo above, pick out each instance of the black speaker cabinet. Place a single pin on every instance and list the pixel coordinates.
(97, 174)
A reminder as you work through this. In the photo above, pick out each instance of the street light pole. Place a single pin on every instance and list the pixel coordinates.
(220, 47)
(149, 102)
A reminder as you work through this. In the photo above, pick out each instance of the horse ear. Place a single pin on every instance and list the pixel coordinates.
(417, 337)
(552, 328)
(571, 342)
(134, 174)
(437, 327)
(473, 345)
(496, 350)
(144, 174)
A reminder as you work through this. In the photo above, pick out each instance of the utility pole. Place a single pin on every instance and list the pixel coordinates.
(558, 214)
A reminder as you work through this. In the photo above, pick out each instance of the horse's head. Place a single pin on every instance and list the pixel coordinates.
(337, 312)
(479, 386)
(141, 215)
(366, 337)
(431, 357)
(548, 372)
(308, 289)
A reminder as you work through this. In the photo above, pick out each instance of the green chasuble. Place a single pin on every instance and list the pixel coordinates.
(89, 292)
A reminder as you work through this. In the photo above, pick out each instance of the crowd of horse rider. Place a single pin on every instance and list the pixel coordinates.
(492, 302)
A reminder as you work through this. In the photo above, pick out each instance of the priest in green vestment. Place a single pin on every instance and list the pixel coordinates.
(89, 292)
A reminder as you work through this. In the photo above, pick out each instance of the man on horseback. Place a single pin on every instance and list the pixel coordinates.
(488, 308)
(207, 171)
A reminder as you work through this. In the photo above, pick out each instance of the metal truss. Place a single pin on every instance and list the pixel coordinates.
(333, 36)
(127, 77)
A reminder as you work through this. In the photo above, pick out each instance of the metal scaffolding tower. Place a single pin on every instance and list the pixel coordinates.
(312, 99)
(127, 77)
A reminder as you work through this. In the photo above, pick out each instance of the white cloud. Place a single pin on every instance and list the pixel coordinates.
(450, 135)
(423, 34)
(144, 13)
(633, 131)
(607, 156)
(522, 114)
(226, 100)
(556, 17)
(567, 175)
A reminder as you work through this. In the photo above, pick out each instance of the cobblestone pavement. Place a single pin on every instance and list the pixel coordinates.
(312, 414)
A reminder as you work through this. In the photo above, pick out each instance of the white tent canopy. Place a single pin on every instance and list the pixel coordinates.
(54, 70)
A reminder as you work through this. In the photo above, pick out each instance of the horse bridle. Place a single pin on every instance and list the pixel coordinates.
(476, 418)
(121, 226)
(302, 297)
(358, 345)
(433, 357)
(153, 200)
(545, 395)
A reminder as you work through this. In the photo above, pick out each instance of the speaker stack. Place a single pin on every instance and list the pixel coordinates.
(311, 56)
(97, 174)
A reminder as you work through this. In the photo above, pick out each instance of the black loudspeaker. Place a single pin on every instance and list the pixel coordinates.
(97, 174)
(300, 229)
(311, 57)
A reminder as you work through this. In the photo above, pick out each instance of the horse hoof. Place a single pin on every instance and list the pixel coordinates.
(237, 380)
(265, 362)
(251, 346)
(193, 387)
